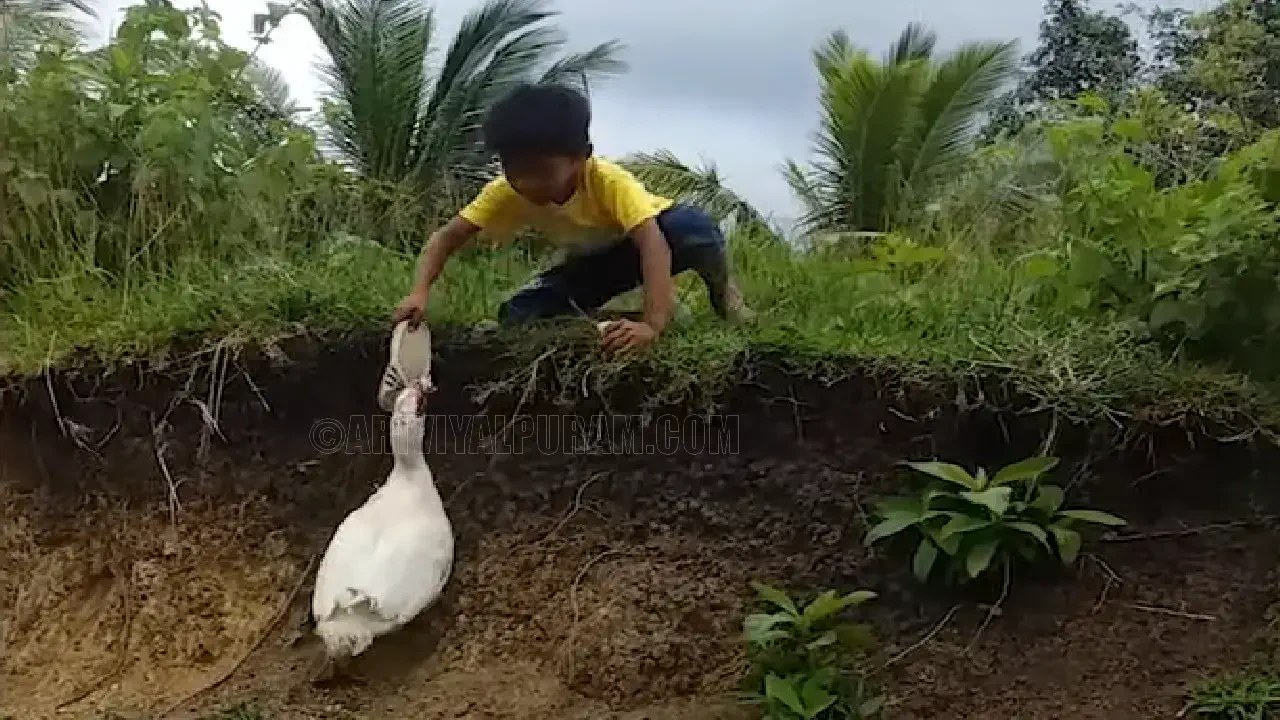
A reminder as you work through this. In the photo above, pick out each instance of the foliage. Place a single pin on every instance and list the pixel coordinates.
(806, 661)
(25, 25)
(664, 173)
(1079, 51)
(394, 116)
(891, 131)
(1246, 697)
(125, 157)
(976, 523)
(1224, 60)
(1194, 264)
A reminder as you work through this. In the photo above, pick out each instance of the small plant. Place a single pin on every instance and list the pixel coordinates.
(241, 711)
(1246, 697)
(976, 522)
(806, 662)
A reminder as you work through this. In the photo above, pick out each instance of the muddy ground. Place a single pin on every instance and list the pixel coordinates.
(146, 558)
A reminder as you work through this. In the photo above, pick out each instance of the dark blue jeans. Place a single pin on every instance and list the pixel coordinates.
(584, 283)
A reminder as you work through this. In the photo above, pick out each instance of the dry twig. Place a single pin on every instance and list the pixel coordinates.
(1173, 613)
(924, 640)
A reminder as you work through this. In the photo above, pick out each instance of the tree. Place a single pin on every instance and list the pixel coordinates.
(665, 174)
(1225, 60)
(891, 131)
(394, 116)
(1079, 50)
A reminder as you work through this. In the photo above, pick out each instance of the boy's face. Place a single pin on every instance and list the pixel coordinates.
(544, 179)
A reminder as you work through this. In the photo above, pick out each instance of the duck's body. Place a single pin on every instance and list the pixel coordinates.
(390, 558)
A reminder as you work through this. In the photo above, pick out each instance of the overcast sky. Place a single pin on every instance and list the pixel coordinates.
(730, 81)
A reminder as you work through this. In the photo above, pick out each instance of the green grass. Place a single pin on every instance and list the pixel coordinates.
(1242, 697)
(964, 318)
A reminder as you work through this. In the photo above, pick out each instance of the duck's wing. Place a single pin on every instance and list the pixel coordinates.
(340, 569)
(408, 570)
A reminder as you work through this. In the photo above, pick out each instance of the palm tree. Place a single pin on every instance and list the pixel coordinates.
(892, 130)
(664, 173)
(393, 115)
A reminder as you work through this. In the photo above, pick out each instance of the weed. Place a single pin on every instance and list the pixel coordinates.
(241, 711)
(977, 523)
(1243, 697)
(807, 661)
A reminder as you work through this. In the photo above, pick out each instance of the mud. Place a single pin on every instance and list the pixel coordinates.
(147, 556)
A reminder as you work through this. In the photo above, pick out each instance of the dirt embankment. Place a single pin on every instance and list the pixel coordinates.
(147, 553)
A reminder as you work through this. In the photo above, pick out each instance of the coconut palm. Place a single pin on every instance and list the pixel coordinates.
(892, 130)
(664, 173)
(394, 115)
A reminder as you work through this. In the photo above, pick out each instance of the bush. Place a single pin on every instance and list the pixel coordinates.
(976, 523)
(807, 662)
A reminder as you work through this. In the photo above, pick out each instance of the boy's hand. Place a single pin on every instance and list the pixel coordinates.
(412, 308)
(628, 335)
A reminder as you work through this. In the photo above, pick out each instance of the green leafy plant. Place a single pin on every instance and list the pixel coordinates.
(1246, 697)
(806, 661)
(975, 523)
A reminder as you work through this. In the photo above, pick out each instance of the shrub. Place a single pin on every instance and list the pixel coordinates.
(976, 523)
(807, 662)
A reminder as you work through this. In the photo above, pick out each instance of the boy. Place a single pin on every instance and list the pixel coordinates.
(618, 234)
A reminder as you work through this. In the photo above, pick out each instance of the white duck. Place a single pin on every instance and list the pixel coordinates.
(390, 558)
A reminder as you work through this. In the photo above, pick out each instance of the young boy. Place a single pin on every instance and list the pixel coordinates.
(617, 233)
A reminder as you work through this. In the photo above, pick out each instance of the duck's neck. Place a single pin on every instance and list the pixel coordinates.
(406, 444)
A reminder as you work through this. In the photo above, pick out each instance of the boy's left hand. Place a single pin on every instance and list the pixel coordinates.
(628, 335)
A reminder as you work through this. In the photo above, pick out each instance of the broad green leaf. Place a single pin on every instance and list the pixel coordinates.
(1094, 516)
(823, 606)
(949, 544)
(816, 698)
(784, 692)
(1028, 469)
(946, 471)
(994, 499)
(890, 526)
(827, 638)
(926, 555)
(979, 557)
(777, 597)
(1068, 541)
(961, 523)
(905, 505)
(760, 628)
(858, 597)
(1034, 531)
(1048, 499)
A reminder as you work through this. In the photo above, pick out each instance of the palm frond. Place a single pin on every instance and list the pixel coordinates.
(890, 130)
(865, 108)
(273, 91)
(25, 24)
(603, 60)
(662, 172)
(915, 43)
(375, 76)
(961, 87)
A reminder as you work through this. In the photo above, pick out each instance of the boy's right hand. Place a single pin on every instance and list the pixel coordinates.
(412, 308)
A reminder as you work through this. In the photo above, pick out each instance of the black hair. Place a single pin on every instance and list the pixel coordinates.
(540, 119)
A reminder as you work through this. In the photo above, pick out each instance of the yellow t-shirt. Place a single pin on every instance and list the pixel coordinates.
(608, 203)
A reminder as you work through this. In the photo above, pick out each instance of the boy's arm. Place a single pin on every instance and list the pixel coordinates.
(655, 269)
(442, 243)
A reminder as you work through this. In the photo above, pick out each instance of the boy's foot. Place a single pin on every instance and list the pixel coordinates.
(730, 305)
